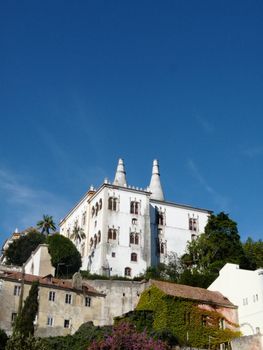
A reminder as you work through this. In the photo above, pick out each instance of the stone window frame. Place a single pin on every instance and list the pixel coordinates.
(51, 295)
(68, 298)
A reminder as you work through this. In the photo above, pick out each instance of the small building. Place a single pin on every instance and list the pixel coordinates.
(196, 316)
(245, 289)
(63, 304)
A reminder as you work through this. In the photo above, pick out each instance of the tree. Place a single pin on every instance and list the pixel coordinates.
(64, 255)
(254, 253)
(24, 323)
(219, 244)
(124, 336)
(77, 233)
(20, 250)
(46, 224)
(19, 342)
(3, 339)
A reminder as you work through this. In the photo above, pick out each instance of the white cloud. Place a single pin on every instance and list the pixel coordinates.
(253, 152)
(205, 124)
(221, 201)
(22, 205)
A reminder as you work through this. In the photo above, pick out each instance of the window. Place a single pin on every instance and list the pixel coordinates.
(68, 299)
(127, 271)
(134, 221)
(95, 241)
(113, 254)
(51, 296)
(159, 218)
(96, 209)
(83, 218)
(134, 238)
(222, 323)
(17, 290)
(192, 224)
(91, 242)
(87, 301)
(66, 323)
(134, 207)
(99, 237)
(92, 211)
(133, 257)
(112, 234)
(245, 301)
(50, 321)
(203, 320)
(100, 204)
(255, 298)
(162, 248)
(112, 203)
(13, 316)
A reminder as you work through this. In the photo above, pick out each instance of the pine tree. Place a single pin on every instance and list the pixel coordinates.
(24, 323)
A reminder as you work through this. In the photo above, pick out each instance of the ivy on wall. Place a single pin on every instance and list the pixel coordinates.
(183, 318)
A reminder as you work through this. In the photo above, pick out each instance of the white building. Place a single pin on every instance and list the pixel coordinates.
(244, 288)
(128, 228)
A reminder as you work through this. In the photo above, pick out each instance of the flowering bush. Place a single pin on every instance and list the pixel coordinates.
(125, 337)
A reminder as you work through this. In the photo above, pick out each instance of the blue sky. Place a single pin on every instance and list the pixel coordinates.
(83, 83)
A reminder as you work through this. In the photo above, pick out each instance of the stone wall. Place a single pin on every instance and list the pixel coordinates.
(251, 342)
(121, 297)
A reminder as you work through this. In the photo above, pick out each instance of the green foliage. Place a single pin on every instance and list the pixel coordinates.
(179, 317)
(85, 335)
(219, 244)
(254, 253)
(64, 255)
(19, 342)
(20, 250)
(46, 224)
(3, 339)
(24, 323)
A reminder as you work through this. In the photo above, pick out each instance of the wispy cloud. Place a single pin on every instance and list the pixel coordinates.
(22, 205)
(253, 152)
(221, 201)
(207, 126)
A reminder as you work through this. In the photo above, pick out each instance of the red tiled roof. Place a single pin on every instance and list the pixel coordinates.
(193, 293)
(48, 281)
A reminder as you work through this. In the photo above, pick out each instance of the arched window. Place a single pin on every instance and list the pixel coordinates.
(100, 204)
(91, 242)
(134, 221)
(97, 209)
(112, 234)
(162, 247)
(95, 241)
(136, 240)
(112, 203)
(99, 237)
(134, 207)
(159, 217)
(92, 211)
(131, 238)
(193, 224)
(133, 257)
(127, 271)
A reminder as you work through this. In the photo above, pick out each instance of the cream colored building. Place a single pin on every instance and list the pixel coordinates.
(63, 304)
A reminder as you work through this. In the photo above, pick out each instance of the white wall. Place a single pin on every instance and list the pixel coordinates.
(244, 288)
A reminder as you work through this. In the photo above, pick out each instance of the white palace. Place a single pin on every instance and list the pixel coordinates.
(128, 229)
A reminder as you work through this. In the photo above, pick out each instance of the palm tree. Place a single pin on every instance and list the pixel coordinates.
(46, 224)
(77, 233)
